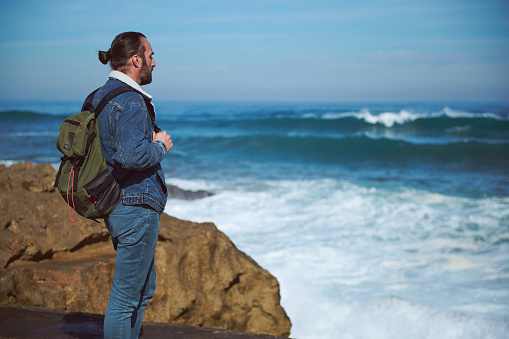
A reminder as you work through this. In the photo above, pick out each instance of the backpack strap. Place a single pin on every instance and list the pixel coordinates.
(150, 108)
(88, 106)
(111, 95)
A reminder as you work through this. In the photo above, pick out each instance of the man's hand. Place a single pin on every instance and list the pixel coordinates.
(165, 138)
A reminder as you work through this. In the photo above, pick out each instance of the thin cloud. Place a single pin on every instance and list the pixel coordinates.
(85, 40)
(217, 37)
(345, 14)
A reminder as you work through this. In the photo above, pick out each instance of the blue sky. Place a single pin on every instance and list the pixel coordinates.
(318, 50)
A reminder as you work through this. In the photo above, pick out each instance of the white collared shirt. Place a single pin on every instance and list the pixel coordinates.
(129, 81)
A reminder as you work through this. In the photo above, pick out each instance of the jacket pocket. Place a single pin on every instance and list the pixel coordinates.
(160, 177)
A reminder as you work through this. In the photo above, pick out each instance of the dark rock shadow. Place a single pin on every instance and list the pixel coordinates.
(83, 326)
(28, 323)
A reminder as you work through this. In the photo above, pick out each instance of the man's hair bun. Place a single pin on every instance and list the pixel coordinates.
(123, 47)
(104, 57)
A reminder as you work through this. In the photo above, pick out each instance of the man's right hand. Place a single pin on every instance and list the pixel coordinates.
(165, 138)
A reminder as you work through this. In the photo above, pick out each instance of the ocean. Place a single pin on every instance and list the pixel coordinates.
(379, 220)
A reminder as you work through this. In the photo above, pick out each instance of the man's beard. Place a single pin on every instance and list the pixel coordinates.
(146, 73)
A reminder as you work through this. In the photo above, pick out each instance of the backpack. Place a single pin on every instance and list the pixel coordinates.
(84, 179)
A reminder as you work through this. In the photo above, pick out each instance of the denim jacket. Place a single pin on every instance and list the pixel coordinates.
(125, 128)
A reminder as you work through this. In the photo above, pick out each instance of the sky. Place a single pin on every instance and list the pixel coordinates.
(264, 50)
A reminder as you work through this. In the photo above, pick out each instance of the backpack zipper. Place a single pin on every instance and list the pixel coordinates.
(72, 122)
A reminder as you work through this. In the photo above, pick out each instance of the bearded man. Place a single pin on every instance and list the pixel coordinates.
(134, 148)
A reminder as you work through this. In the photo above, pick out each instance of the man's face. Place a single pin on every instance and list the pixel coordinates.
(148, 64)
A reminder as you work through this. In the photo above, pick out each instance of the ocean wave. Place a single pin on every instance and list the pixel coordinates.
(28, 134)
(354, 150)
(373, 256)
(447, 111)
(440, 130)
(442, 126)
(15, 115)
(385, 314)
(389, 119)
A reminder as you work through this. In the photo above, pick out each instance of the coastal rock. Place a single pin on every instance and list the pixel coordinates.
(202, 278)
(175, 192)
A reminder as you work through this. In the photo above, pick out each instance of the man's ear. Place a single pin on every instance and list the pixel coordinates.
(136, 60)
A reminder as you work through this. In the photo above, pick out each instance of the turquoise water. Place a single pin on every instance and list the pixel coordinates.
(386, 220)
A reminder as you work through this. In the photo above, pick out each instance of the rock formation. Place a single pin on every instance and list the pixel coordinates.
(202, 278)
(177, 193)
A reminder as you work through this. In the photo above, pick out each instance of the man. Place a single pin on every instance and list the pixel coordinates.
(134, 149)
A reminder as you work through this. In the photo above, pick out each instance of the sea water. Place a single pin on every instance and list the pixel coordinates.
(379, 220)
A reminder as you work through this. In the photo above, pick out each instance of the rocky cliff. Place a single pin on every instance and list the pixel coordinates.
(202, 278)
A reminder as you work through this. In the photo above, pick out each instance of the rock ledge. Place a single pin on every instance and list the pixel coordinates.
(202, 278)
(17, 322)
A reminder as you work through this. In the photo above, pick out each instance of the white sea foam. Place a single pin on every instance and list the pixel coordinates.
(334, 115)
(387, 118)
(8, 163)
(392, 318)
(456, 114)
(447, 111)
(309, 116)
(336, 248)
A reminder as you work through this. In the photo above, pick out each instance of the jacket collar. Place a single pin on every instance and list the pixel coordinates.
(129, 81)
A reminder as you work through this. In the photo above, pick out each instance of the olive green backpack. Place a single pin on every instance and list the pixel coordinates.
(84, 179)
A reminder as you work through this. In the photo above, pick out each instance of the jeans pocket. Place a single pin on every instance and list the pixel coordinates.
(127, 224)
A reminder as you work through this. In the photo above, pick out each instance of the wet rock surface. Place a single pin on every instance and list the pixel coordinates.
(202, 278)
(17, 322)
(175, 192)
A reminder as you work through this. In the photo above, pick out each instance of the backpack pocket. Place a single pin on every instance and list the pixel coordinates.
(75, 133)
(104, 191)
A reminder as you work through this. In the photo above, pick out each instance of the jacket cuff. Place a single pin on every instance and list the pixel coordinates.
(163, 146)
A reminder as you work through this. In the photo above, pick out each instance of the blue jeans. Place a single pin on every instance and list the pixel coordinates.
(134, 231)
